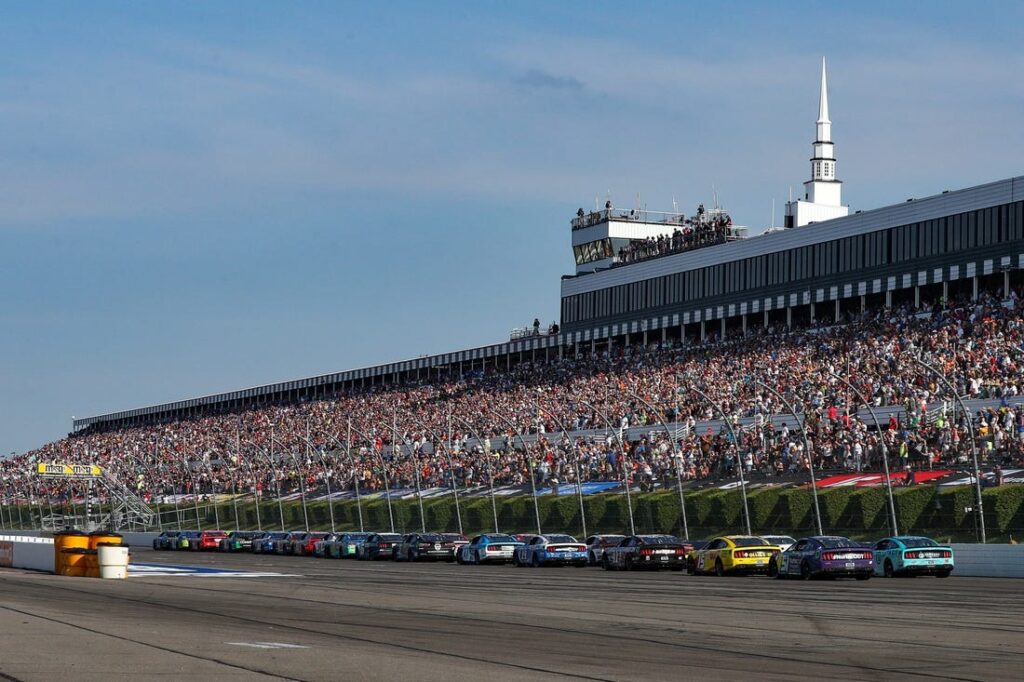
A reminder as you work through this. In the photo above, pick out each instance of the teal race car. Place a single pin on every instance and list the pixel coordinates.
(912, 555)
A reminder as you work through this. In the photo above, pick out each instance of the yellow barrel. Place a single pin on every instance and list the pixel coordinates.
(92, 564)
(66, 540)
(99, 537)
(74, 562)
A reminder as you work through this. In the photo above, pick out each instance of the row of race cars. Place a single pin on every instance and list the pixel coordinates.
(772, 555)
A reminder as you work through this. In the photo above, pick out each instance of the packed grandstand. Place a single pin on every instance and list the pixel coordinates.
(561, 421)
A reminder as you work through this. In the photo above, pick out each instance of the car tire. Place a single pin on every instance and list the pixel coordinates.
(719, 568)
(888, 568)
(604, 563)
(536, 561)
(691, 566)
(805, 571)
(592, 558)
(627, 565)
(773, 569)
(411, 557)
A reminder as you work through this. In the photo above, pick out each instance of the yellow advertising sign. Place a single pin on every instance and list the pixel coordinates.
(69, 470)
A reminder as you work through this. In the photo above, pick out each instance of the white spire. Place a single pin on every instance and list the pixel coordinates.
(823, 102)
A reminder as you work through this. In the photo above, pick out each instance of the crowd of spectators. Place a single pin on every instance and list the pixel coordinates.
(503, 426)
(703, 229)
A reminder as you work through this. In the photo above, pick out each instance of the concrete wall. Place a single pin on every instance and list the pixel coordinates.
(988, 561)
(20, 551)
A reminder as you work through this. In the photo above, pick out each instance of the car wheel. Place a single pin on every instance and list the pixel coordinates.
(476, 557)
(411, 557)
(773, 569)
(628, 564)
(942, 574)
(889, 572)
(604, 563)
(536, 561)
(719, 568)
(592, 558)
(805, 571)
(691, 566)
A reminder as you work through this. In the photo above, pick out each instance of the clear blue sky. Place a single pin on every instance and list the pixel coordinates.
(197, 197)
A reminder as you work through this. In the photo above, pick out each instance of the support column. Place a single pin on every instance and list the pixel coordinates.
(765, 319)
(1006, 284)
(917, 297)
(888, 299)
(789, 317)
(721, 335)
(813, 312)
(974, 288)
(703, 331)
(744, 318)
(945, 294)
(863, 303)
(835, 318)
(645, 338)
(664, 335)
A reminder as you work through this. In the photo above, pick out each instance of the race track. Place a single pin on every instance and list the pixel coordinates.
(333, 620)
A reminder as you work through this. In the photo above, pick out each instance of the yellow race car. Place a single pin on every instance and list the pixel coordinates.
(732, 554)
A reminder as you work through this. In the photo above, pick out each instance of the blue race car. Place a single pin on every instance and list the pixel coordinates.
(829, 556)
(912, 555)
(266, 544)
(488, 548)
(547, 550)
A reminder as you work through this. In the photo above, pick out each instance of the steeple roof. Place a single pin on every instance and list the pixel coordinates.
(823, 101)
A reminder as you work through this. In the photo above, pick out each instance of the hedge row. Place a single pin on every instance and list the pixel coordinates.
(857, 512)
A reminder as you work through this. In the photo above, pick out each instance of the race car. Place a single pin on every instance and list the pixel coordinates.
(377, 546)
(647, 551)
(912, 555)
(240, 540)
(301, 543)
(208, 540)
(346, 546)
(597, 544)
(488, 548)
(783, 542)
(321, 547)
(266, 544)
(735, 554)
(166, 540)
(427, 546)
(457, 540)
(823, 555)
(551, 550)
(186, 539)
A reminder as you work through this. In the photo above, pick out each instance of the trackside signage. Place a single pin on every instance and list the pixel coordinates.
(68, 470)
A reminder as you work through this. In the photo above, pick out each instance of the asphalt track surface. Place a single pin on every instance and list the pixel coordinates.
(383, 621)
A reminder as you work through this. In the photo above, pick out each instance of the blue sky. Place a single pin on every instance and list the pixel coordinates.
(197, 197)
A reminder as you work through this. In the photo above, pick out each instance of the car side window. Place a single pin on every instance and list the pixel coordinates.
(882, 545)
(800, 546)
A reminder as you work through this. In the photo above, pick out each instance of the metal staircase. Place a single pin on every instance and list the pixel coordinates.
(127, 510)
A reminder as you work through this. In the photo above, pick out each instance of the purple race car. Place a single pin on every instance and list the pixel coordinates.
(824, 555)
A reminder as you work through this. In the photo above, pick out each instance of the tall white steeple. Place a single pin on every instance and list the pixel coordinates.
(823, 192)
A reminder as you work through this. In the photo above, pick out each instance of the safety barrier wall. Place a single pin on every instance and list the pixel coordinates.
(138, 539)
(22, 551)
(988, 561)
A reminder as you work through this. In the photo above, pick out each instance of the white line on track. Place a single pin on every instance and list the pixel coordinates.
(268, 645)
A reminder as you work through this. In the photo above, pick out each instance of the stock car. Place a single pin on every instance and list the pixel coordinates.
(597, 544)
(186, 539)
(302, 543)
(427, 546)
(546, 550)
(783, 542)
(828, 556)
(208, 540)
(377, 546)
(321, 547)
(647, 551)
(346, 546)
(240, 540)
(166, 539)
(733, 554)
(266, 544)
(488, 548)
(912, 555)
(457, 540)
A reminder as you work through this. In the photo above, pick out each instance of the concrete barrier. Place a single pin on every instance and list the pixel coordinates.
(138, 539)
(988, 561)
(22, 551)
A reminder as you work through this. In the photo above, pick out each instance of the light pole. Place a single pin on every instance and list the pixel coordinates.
(576, 465)
(395, 437)
(676, 457)
(490, 465)
(529, 460)
(968, 417)
(327, 477)
(195, 490)
(807, 449)
(355, 472)
(273, 471)
(451, 467)
(384, 470)
(881, 443)
(736, 444)
(625, 462)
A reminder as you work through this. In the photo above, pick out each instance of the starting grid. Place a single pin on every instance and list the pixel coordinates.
(167, 570)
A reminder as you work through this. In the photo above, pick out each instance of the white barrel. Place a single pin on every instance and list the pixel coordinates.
(113, 561)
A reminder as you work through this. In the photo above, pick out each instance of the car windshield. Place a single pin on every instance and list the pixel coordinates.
(355, 537)
(561, 538)
(919, 542)
(749, 542)
(660, 539)
(390, 537)
(837, 543)
(453, 537)
(501, 538)
(430, 537)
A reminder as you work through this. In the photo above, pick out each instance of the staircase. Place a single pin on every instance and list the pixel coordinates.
(127, 510)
